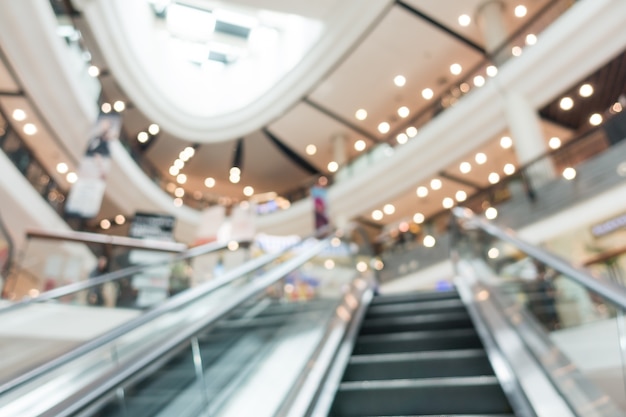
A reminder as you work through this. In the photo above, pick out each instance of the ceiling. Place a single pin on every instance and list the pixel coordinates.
(418, 39)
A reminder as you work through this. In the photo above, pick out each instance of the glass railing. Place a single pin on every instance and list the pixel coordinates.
(209, 348)
(572, 320)
(6, 253)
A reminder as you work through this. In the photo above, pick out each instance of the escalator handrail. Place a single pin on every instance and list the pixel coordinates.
(115, 275)
(167, 306)
(607, 289)
(108, 382)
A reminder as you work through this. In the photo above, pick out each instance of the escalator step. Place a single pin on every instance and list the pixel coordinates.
(434, 364)
(416, 323)
(417, 341)
(416, 296)
(404, 397)
(400, 309)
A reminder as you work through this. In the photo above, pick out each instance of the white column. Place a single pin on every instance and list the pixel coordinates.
(339, 150)
(490, 20)
(525, 127)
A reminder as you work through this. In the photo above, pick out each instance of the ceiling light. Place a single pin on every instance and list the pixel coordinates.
(435, 184)
(418, 218)
(399, 80)
(333, 166)
(464, 87)
(494, 178)
(142, 137)
(403, 111)
(509, 169)
(421, 191)
(71, 177)
(93, 71)
(62, 168)
(18, 115)
(491, 213)
(479, 81)
(178, 163)
(447, 203)
(174, 171)
(361, 114)
(595, 119)
(429, 241)
(181, 178)
(106, 108)
(491, 70)
(179, 192)
(427, 93)
(585, 90)
(383, 127)
(389, 209)
(411, 131)
(235, 171)
(154, 129)
(520, 10)
(120, 219)
(178, 202)
(105, 224)
(119, 106)
(311, 149)
(464, 20)
(190, 151)
(460, 196)
(516, 51)
(329, 264)
(248, 191)
(234, 179)
(170, 187)
(209, 182)
(377, 215)
(554, 143)
(402, 138)
(569, 173)
(360, 145)
(361, 266)
(480, 158)
(455, 69)
(617, 107)
(506, 142)
(29, 129)
(465, 167)
(531, 39)
(566, 103)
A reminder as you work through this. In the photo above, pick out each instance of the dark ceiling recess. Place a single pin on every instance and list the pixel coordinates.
(238, 157)
(293, 156)
(609, 82)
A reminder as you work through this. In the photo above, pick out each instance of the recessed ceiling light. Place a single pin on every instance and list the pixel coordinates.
(418, 218)
(106, 108)
(360, 145)
(460, 196)
(509, 169)
(383, 127)
(435, 184)
(333, 166)
(429, 241)
(494, 178)
(455, 69)
(248, 191)
(506, 142)
(29, 129)
(566, 103)
(234, 179)
(179, 192)
(595, 119)
(361, 114)
(516, 51)
(142, 137)
(411, 131)
(617, 107)
(447, 203)
(531, 39)
(62, 168)
(464, 20)
(174, 171)
(585, 90)
(234, 171)
(520, 10)
(120, 219)
(154, 129)
(389, 209)
(480, 158)
(464, 87)
(554, 143)
(71, 177)
(491, 70)
(93, 71)
(209, 182)
(465, 167)
(491, 213)
(178, 163)
(119, 106)
(399, 80)
(181, 178)
(178, 202)
(311, 149)
(105, 224)
(402, 138)
(569, 173)
(427, 93)
(403, 111)
(422, 191)
(18, 115)
(377, 215)
(479, 81)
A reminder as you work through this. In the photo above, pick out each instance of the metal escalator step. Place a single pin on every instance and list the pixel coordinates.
(417, 341)
(414, 307)
(404, 397)
(431, 321)
(431, 364)
(415, 296)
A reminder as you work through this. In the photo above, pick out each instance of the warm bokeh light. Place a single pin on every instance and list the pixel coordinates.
(62, 168)
(404, 112)
(506, 142)
(377, 215)
(554, 143)
(520, 10)
(464, 20)
(435, 184)
(19, 115)
(360, 145)
(361, 114)
(311, 149)
(399, 80)
(456, 69)
(491, 213)
(429, 241)
(209, 182)
(402, 138)
(569, 173)
(389, 209)
(411, 131)
(383, 127)
(585, 90)
(427, 93)
(480, 158)
(422, 191)
(465, 167)
(418, 218)
(595, 119)
(566, 103)
(154, 129)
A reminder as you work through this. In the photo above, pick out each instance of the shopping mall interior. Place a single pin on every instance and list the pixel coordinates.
(331, 208)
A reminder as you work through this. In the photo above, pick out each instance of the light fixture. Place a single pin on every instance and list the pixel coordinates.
(585, 90)
(181, 178)
(447, 203)
(235, 171)
(456, 69)
(93, 71)
(29, 129)
(178, 163)
(360, 145)
(429, 241)
(154, 129)
(493, 253)
(494, 178)
(421, 191)
(435, 184)
(179, 192)
(142, 137)
(377, 215)
(106, 108)
(105, 224)
(119, 106)
(178, 202)
(520, 10)
(389, 209)
(333, 166)
(566, 103)
(403, 112)
(491, 213)
(595, 119)
(361, 266)
(411, 131)
(383, 127)
(464, 87)
(209, 182)
(464, 20)
(418, 218)
(361, 114)
(233, 245)
(427, 93)
(491, 71)
(479, 81)
(516, 51)
(120, 219)
(506, 142)
(531, 39)
(18, 115)
(311, 149)
(71, 177)
(248, 191)
(234, 179)
(460, 196)
(617, 107)
(569, 173)
(399, 80)
(62, 168)
(402, 138)
(174, 171)
(554, 143)
(480, 158)
(509, 169)
(465, 167)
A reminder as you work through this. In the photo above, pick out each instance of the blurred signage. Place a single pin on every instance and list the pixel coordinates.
(609, 226)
